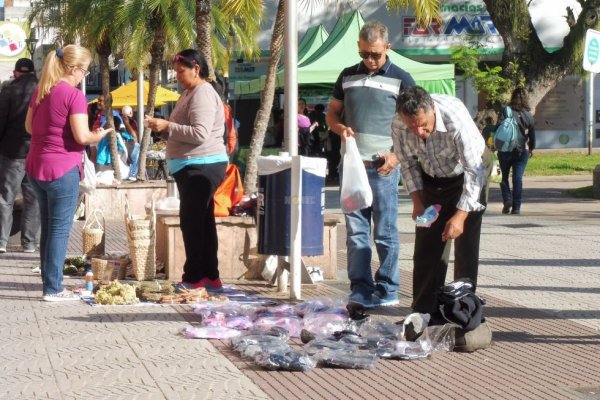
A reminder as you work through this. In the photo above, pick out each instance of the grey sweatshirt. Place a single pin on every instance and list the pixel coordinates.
(197, 124)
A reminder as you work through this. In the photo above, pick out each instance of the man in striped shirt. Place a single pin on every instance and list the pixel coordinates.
(363, 106)
(440, 152)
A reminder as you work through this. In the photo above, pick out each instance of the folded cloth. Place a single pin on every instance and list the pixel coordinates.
(459, 305)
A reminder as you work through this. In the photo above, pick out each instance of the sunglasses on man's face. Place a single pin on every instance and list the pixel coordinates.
(369, 54)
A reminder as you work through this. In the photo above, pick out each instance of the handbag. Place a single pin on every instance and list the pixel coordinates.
(88, 184)
(355, 193)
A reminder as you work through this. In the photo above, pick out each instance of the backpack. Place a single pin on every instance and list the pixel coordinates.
(229, 192)
(506, 137)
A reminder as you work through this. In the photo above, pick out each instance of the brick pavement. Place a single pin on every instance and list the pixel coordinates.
(543, 296)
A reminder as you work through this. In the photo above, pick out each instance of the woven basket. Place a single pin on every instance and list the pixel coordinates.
(143, 258)
(94, 235)
(137, 223)
(99, 268)
(142, 243)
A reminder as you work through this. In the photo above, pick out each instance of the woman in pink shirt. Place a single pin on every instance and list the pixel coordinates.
(57, 120)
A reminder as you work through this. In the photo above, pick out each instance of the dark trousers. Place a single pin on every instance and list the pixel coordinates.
(517, 160)
(430, 258)
(197, 185)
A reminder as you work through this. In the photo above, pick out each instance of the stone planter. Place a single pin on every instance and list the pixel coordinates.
(110, 199)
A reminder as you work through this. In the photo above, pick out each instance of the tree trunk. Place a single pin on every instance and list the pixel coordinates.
(156, 53)
(104, 51)
(542, 70)
(266, 102)
(204, 34)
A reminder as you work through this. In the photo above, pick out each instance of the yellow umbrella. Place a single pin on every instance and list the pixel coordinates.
(126, 95)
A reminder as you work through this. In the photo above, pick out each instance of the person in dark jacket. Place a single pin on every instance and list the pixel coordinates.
(14, 145)
(517, 158)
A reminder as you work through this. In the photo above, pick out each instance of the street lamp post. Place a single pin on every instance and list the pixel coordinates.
(31, 43)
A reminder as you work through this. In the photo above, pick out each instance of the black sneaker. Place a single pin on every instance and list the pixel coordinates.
(506, 208)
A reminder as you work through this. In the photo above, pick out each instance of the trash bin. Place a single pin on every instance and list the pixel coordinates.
(274, 193)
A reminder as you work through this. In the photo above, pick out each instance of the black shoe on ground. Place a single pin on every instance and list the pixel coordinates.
(515, 211)
(506, 208)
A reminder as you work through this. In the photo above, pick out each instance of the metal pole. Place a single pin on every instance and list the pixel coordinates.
(291, 133)
(140, 103)
(591, 117)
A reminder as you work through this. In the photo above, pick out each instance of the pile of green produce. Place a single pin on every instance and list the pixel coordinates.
(154, 290)
(116, 293)
(75, 266)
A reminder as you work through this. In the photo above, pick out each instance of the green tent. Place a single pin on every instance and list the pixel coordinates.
(312, 40)
(340, 51)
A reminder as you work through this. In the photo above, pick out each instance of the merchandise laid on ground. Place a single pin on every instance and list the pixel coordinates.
(541, 304)
(332, 332)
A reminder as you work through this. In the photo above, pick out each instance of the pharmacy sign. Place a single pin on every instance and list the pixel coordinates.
(591, 52)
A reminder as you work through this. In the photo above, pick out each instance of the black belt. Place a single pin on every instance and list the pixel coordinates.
(441, 180)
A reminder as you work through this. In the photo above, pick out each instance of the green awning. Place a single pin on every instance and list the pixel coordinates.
(340, 50)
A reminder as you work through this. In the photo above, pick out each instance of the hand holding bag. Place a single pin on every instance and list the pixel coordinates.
(355, 193)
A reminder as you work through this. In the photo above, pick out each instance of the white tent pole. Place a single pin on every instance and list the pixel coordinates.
(291, 134)
(140, 103)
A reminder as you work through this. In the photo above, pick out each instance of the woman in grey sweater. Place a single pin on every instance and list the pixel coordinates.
(197, 158)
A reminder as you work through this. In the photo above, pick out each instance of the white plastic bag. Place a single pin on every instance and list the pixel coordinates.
(355, 193)
(88, 184)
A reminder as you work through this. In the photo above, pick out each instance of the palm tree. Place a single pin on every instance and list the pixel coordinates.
(168, 26)
(235, 26)
(426, 11)
(204, 34)
(266, 102)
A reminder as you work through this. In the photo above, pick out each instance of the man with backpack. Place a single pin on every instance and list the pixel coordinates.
(514, 139)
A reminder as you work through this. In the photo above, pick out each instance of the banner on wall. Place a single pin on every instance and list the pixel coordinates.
(460, 21)
(464, 21)
(12, 40)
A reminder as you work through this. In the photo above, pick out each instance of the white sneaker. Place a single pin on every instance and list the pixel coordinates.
(65, 295)
(2, 249)
(29, 249)
(36, 270)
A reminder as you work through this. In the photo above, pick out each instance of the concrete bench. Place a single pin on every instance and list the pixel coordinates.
(238, 256)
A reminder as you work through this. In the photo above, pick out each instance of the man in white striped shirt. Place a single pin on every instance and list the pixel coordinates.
(440, 152)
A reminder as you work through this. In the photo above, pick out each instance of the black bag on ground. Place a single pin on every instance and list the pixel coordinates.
(459, 305)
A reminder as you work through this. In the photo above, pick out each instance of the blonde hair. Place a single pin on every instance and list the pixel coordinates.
(56, 65)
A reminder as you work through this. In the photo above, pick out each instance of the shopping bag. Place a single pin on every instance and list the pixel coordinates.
(88, 184)
(355, 193)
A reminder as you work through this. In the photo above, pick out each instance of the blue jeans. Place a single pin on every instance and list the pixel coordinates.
(12, 175)
(384, 213)
(517, 160)
(135, 156)
(58, 201)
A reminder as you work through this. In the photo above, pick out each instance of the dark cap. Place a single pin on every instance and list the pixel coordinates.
(24, 65)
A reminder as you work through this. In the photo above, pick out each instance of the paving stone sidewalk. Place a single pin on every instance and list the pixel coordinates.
(540, 273)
